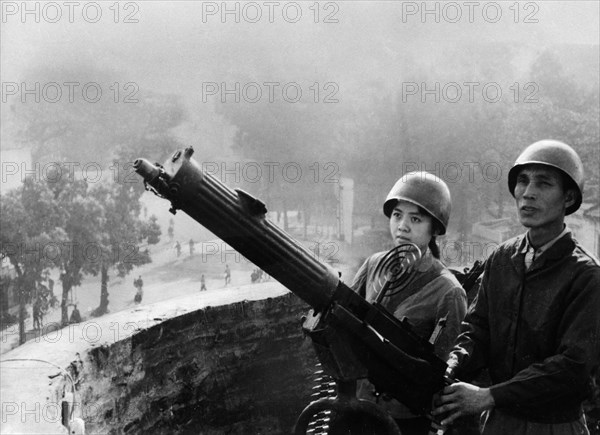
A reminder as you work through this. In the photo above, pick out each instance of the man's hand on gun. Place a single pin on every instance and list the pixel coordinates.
(461, 399)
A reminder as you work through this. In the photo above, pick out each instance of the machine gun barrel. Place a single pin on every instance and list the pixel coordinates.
(240, 220)
(353, 338)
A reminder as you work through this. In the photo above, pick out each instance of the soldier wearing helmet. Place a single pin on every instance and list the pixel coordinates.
(535, 323)
(418, 208)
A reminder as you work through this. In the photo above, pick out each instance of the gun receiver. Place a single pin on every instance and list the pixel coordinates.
(353, 338)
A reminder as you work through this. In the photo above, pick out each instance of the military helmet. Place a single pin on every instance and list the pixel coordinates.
(554, 154)
(424, 190)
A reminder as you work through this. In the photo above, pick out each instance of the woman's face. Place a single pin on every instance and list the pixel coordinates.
(409, 225)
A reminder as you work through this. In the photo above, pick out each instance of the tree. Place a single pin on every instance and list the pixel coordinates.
(565, 110)
(296, 140)
(78, 129)
(123, 234)
(82, 221)
(30, 237)
(109, 134)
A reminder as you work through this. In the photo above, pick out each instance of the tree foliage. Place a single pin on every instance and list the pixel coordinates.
(31, 237)
(123, 234)
(377, 132)
(97, 222)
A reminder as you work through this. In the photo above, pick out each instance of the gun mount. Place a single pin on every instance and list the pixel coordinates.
(353, 338)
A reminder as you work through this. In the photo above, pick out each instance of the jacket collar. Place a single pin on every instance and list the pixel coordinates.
(558, 248)
(539, 251)
(562, 247)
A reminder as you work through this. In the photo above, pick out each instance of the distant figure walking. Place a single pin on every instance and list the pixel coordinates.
(37, 314)
(191, 242)
(75, 316)
(227, 274)
(202, 283)
(257, 275)
(171, 230)
(178, 248)
(53, 301)
(139, 285)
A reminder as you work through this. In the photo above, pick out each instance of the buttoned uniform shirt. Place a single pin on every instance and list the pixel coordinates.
(433, 293)
(536, 330)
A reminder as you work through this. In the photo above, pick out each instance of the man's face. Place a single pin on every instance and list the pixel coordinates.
(540, 196)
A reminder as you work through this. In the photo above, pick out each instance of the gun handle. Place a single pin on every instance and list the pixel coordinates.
(436, 428)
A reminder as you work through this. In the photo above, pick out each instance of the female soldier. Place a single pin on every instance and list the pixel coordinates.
(418, 207)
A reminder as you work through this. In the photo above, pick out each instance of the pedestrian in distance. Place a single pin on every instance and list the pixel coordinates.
(227, 274)
(178, 248)
(535, 322)
(75, 315)
(139, 285)
(202, 283)
(37, 313)
(171, 230)
(191, 243)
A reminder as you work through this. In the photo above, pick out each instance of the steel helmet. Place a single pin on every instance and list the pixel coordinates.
(424, 190)
(554, 154)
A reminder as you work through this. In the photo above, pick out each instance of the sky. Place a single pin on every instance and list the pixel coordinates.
(171, 46)
(345, 51)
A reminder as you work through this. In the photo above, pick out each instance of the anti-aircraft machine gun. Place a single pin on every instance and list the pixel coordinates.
(353, 339)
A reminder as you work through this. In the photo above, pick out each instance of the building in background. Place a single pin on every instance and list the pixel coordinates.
(585, 226)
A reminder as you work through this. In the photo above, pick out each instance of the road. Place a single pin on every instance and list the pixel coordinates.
(167, 277)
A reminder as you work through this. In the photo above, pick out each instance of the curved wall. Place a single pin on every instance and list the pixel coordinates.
(243, 368)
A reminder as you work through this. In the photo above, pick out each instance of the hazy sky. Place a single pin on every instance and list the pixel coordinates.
(174, 44)
(179, 47)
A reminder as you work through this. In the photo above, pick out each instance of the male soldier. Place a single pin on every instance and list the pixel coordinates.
(535, 323)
